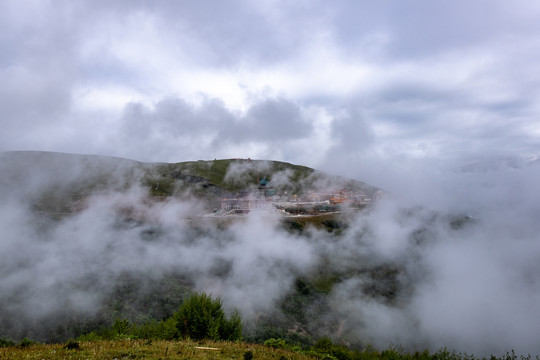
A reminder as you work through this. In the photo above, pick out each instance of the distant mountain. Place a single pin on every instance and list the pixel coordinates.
(57, 181)
(500, 163)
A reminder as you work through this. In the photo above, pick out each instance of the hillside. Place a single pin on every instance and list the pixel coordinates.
(88, 241)
(56, 183)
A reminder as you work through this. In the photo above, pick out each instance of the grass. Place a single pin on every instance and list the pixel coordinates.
(274, 349)
(144, 349)
(215, 171)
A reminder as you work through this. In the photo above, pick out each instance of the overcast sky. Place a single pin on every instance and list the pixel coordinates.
(329, 84)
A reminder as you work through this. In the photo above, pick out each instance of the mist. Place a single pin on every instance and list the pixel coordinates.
(474, 287)
(455, 265)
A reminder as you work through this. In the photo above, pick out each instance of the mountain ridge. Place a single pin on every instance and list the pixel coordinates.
(58, 180)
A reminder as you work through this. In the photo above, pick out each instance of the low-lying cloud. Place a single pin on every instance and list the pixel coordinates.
(417, 274)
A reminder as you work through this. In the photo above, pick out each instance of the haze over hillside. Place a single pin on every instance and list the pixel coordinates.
(88, 239)
(61, 183)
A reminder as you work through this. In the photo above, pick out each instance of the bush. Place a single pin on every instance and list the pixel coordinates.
(325, 346)
(201, 317)
(276, 343)
(121, 327)
(26, 343)
(6, 343)
(163, 330)
(91, 336)
(232, 328)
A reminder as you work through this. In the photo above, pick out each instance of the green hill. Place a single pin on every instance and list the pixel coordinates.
(135, 253)
(53, 182)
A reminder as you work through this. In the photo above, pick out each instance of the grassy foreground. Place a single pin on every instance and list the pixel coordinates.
(144, 349)
(221, 350)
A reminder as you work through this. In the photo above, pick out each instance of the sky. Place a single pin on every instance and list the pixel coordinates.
(333, 85)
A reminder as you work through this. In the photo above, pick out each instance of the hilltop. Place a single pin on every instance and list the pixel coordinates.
(58, 183)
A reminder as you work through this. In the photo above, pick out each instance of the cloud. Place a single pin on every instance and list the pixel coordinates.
(452, 265)
(276, 120)
(420, 29)
(467, 288)
(238, 172)
(71, 266)
(421, 89)
(175, 126)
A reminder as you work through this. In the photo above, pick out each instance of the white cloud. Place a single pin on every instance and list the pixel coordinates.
(480, 91)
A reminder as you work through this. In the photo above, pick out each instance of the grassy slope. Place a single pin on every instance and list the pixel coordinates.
(203, 350)
(214, 172)
(143, 349)
(68, 176)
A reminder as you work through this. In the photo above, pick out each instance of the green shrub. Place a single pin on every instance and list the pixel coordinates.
(276, 343)
(424, 355)
(91, 336)
(167, 329)
(232, 328)
(201, 317)
(26, 343)
(6, 343)
(325, 346)
(445, 354)
(121, 327)
(391, 354)
(162, 330)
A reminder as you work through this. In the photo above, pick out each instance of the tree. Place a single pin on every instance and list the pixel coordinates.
(201, 317)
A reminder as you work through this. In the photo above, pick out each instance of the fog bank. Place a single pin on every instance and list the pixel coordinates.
(452, 265)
